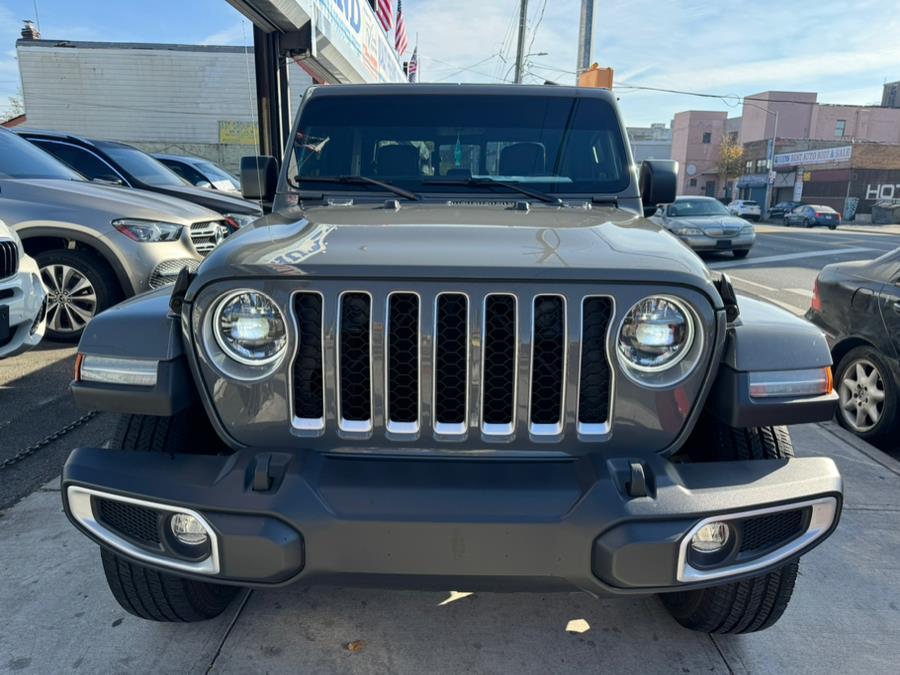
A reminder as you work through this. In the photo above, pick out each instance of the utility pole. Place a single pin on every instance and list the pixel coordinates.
(585, 37)
(520, 50)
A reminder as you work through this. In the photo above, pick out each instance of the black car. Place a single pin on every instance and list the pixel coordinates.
(857, 305)
(201, 172)
(122, 164)
(781, 209)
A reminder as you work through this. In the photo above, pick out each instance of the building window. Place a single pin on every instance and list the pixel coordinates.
(707, 137)
(762, 165)
(839, 128)
(748, 166)
(732, 136)
(693, 182)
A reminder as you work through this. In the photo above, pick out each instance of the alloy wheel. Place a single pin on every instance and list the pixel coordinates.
(861, 391)
(71, 298)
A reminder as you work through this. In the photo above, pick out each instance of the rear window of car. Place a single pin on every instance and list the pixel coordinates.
(822, 209)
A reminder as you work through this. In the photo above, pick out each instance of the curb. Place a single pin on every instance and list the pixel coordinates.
(880, 456)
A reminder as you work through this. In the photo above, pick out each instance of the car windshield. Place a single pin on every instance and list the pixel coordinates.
(456, 143)
(212, 172)
(697, 207)
(142, 166)
(21, 159)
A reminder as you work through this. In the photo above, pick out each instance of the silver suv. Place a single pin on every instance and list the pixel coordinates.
(95, 244)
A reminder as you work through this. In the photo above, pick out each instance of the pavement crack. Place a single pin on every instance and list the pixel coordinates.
(712, 638)
(231, 625)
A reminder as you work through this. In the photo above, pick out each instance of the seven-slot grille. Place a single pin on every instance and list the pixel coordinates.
(9, 259)
(449, 362)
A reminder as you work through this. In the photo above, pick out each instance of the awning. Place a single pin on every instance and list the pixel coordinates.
(350, 45)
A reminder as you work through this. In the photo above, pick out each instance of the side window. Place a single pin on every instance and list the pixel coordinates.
(84, 162)
(189, 173)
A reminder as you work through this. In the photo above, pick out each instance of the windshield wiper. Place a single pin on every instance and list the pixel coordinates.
(357, 180)
(483, 180)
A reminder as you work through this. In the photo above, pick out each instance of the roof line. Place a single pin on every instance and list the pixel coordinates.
(158, 46)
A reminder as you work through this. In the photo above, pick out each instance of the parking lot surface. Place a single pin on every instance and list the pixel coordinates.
(844, 616)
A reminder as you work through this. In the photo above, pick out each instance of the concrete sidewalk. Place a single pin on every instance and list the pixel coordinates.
(59, 617)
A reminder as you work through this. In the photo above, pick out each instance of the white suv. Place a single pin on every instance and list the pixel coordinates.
(745, 208)
(22, 297)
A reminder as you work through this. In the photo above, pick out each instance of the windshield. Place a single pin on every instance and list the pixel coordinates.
(141, 165)
(214, 173)
(21, 159)
(697, 207)
(438, 143)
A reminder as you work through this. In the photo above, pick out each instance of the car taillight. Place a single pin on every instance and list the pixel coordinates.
(816, 302)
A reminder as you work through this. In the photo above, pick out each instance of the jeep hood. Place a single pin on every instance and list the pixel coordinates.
(437, 241)
(44, 200)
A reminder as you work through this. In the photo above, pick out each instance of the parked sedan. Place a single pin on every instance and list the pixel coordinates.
(201, 172)
(123, 164)
(857, 305)
(23, 301)
(745, 208)
(705, 225)
(781, 209)
(810, 215)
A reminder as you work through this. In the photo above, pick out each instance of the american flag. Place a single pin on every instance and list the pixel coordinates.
(385, 13)
(412, 68)
(401, 40)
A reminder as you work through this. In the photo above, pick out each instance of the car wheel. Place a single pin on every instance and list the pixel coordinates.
(832, 227)
(741, 253)
(807, 223)
(786, 222)
(148, 593)
(79, 286)
(751, 604)
(868, 395)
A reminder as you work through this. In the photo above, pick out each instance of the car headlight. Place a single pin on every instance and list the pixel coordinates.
(656, 333)
(239, 220)
(148, 230)
(687, 231)
(747, 229)
(249, 328)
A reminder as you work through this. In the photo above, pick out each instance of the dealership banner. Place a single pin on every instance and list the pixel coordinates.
(822, 156)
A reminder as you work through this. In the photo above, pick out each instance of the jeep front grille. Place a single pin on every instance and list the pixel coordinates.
(9, 259)
(450, 363)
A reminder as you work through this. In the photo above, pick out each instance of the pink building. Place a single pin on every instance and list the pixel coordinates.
(696, 141)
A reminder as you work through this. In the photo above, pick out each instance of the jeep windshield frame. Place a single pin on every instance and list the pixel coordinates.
(546, 147)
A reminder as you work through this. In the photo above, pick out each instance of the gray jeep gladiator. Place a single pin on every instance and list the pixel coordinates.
(455, 356)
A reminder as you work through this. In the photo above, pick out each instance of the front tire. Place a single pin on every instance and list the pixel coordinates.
(751, 604)
(142, 591)
(79, 286)
(807, 223)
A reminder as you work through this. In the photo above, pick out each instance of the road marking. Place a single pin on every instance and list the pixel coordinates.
(742, 280)
(805, 292)
(786, 256)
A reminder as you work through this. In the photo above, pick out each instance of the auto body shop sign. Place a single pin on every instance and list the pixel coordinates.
(821, 156)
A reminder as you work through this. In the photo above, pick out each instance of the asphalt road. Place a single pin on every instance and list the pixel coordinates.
(35, 403)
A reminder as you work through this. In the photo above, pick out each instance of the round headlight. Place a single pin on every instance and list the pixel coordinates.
(656, 334)
(250, 328)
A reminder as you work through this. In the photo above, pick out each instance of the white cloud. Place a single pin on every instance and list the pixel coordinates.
(240, 33)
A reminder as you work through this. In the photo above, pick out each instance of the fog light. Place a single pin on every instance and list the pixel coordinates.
(188, 530)
(711, 537)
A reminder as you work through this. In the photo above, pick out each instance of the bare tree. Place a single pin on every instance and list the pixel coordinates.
(730, 163)
(15, 107)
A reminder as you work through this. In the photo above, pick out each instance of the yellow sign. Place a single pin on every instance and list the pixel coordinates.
(238, 133)
(807, 176)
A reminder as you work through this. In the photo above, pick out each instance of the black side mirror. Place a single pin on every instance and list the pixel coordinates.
(659, 182)
(259, 177)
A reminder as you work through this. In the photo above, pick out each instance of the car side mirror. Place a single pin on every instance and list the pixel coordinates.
(203, 184)
(259, 177)
(658, 182)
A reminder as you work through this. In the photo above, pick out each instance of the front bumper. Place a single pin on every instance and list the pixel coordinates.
(24, 297)
(709, 244)
(468, 524)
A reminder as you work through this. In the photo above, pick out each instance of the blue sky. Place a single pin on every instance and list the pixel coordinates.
(843, 50)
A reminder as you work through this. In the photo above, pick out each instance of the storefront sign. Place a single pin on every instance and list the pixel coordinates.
(754, 180)
(822, 156)
(885, 191)
(232, 132)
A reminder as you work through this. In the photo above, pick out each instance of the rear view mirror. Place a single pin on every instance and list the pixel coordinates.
(259, 177)
(658, 182)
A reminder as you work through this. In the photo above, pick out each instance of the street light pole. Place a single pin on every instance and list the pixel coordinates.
(520, 50)
(771, 166)
(585, 37)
